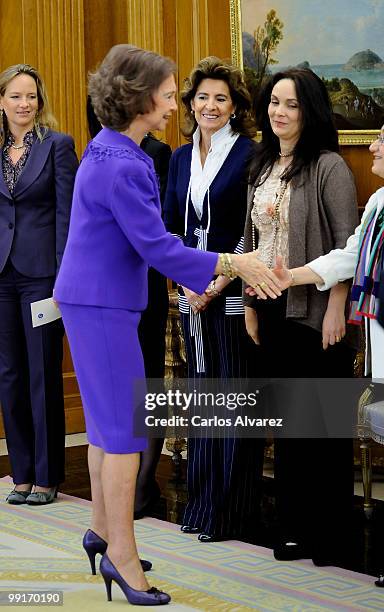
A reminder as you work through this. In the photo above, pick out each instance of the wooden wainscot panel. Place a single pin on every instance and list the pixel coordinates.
(359, 159)
(54, 42)
(74, 418)
(49, 35)
(11, 36)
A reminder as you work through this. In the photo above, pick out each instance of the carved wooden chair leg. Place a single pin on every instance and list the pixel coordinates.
(176, 446)
(176, 488)
(366, 468)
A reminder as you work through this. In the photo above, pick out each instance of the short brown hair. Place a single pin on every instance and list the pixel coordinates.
(44, 117)
(214, 68)
(123, 85)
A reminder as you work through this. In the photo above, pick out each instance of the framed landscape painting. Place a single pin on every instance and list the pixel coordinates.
(342, 41)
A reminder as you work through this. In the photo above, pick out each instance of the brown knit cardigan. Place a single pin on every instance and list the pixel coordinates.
(322, 215)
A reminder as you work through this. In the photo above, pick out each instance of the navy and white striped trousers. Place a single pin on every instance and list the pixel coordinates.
(223, 475)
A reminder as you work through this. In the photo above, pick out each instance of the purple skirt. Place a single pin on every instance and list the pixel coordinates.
(108, 362)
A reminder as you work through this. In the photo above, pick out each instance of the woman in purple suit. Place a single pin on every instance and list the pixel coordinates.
(115, 232)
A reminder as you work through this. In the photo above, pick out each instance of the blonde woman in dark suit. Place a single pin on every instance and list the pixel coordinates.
(37, 174)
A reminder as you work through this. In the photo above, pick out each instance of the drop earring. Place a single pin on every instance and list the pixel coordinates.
(2, 133)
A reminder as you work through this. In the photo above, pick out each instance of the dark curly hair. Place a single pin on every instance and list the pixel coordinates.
(318, 132)
(123, 85)
(214, 68)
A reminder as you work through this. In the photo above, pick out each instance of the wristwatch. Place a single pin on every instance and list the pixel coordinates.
(211, 289)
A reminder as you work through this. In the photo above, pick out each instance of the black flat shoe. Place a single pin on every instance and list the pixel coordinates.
(331, 557)
(380, 581)
(17, 497)
(341, 554)
(41, 498)
(291, 551)
(326, 561)
(189, 529)
(210, 537)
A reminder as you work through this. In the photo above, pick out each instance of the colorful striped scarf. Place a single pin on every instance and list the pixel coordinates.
(365, 288)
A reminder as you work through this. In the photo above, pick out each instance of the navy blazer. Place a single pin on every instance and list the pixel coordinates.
(228, 202)
(228, 198)
(34, 220)
(161, 154)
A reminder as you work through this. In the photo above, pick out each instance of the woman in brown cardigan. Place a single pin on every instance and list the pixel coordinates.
(302, 203)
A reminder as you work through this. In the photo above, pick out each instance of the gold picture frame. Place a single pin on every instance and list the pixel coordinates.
(346, 137)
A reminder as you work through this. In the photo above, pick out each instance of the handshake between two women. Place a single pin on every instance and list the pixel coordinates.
(276, 280)
(260, 280)
(283, 278)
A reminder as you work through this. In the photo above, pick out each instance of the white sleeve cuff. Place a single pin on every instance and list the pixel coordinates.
(336, 267)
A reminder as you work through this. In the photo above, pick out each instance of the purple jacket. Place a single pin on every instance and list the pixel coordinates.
(116, 231)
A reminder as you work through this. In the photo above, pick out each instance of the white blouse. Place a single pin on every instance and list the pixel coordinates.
(222, 142)
(264, 205)
(339, 265)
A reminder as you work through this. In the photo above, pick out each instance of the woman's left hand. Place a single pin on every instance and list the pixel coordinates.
(334, 318)
(333, 326)
(197, 302)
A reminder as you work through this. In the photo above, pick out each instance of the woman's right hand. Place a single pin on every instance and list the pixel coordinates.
(283, 275)
(256, 274)
(252, 324)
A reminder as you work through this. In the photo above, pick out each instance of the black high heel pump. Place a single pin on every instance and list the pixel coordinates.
(94, 544)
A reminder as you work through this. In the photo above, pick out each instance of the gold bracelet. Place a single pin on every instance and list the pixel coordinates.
(227, 266)
(292, 277)
(212, 289)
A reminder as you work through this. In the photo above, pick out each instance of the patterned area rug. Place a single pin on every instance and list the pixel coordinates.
(40, 549)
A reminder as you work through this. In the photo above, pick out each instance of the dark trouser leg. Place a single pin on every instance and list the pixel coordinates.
(35, 427)
(147, 489)
(45, 356)
(220, 469)
(152, 341)
(14, 391)
(313, 477)
(242, 459)
(153, 325)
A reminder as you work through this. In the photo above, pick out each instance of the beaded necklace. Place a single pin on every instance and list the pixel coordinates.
(274, 220)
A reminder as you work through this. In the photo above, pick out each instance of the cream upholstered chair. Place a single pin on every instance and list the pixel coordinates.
(370, 428)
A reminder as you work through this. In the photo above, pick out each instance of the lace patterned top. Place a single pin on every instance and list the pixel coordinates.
(12, 171)
(264, 205)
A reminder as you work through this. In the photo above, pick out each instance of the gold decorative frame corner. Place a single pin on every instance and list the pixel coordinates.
(346, 137)
(357, 137)
(236, 38)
